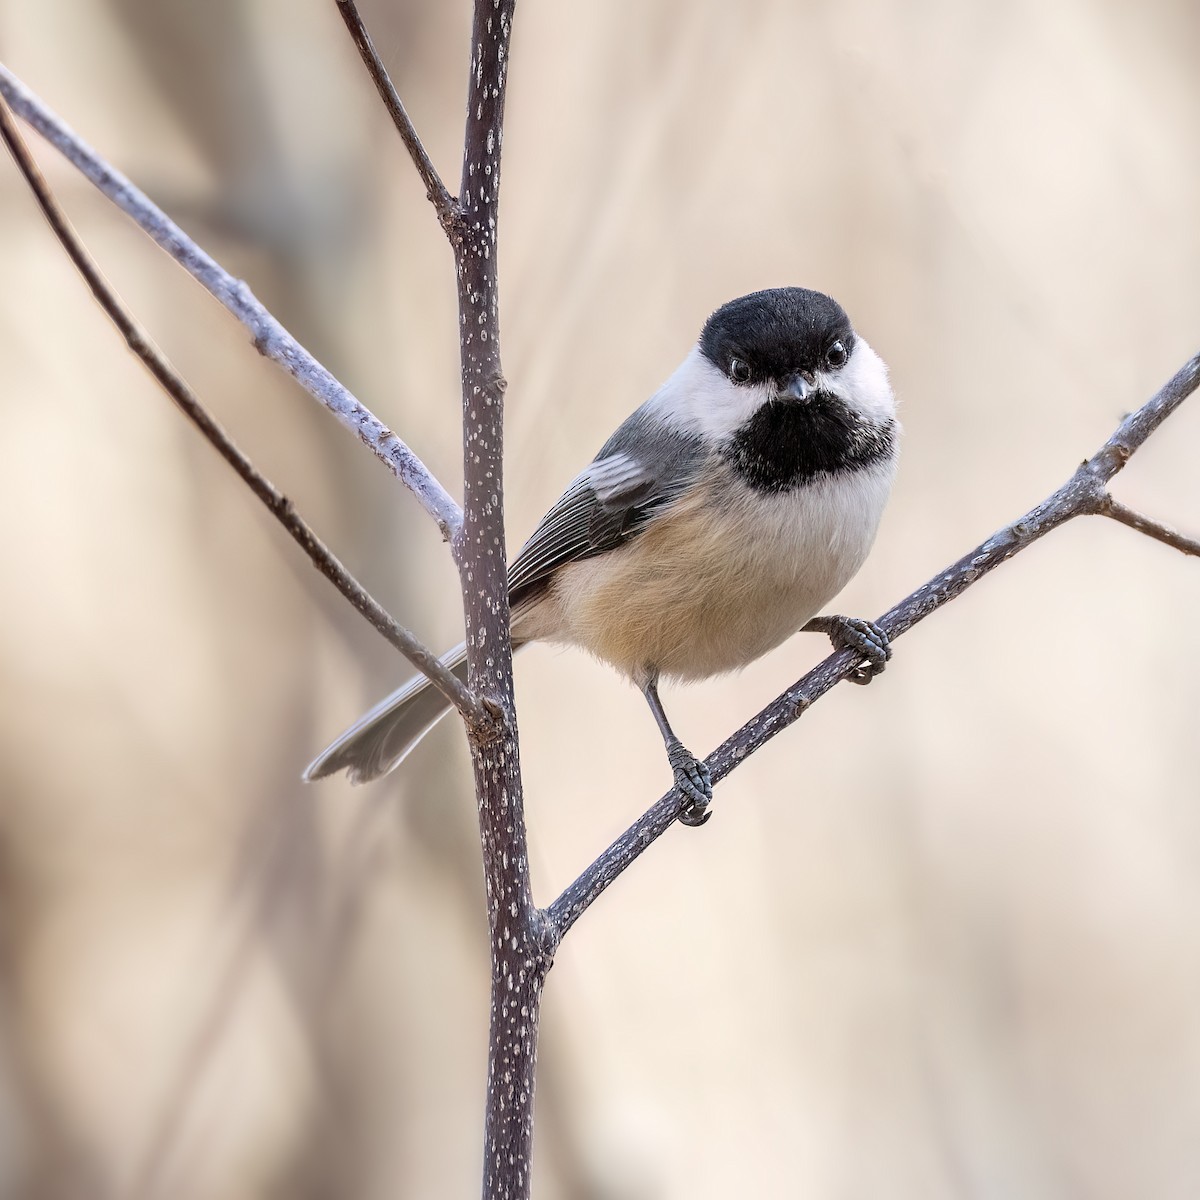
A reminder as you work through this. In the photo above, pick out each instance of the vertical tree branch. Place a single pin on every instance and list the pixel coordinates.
(520, 955)
(522, 939)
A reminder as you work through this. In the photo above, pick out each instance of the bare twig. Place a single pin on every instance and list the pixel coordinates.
(1111, 507)
(1084, 493)
(270, 337)
(523, 938)
(520, 951)
(447, 207)
(280, 506)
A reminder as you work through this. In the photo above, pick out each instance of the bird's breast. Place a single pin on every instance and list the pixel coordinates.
(726, 574)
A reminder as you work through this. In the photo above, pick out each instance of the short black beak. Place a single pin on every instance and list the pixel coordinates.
(796, 387)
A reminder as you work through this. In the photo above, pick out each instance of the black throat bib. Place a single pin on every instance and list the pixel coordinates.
(788, 443)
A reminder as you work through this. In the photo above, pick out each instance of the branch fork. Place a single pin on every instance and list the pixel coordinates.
(523, 937)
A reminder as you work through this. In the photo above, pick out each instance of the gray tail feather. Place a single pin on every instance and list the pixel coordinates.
(379, 741)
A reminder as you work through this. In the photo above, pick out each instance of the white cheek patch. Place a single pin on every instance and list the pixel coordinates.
(862, 383)
(700, 398)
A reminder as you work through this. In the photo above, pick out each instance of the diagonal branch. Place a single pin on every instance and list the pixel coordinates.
(270, 337)
(278, 504)
(1111, 507)
(448, 211)
(1084, 493)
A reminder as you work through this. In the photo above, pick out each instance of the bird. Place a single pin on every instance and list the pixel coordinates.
(718, 520)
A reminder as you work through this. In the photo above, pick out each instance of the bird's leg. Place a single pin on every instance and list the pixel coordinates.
(692, 779)
(853, 633)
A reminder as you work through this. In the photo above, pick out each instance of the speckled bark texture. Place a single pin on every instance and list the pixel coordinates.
(523, 938)
(520, 957)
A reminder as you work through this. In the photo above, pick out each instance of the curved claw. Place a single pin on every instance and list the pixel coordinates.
(693, 782)
(694, 816)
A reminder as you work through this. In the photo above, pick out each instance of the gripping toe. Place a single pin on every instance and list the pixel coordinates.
(693, 782)
(864, 637)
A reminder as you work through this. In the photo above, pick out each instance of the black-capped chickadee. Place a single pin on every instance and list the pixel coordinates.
(725, 512)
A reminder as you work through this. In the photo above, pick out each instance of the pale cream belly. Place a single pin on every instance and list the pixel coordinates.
(711, 587)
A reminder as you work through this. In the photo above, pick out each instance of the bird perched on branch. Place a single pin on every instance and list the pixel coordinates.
(713, 524)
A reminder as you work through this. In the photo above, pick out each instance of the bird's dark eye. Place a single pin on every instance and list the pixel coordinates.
(739, 370)
(836, 355)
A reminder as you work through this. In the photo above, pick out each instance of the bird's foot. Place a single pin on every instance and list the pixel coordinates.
(854, 633)
(692, 781)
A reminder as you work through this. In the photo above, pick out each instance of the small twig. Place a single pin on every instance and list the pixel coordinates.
(279, 505)
(1110, 507)
(448, 211)
(272, 340)
(1082, 494)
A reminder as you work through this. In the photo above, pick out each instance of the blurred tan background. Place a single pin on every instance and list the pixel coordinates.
(941, 940)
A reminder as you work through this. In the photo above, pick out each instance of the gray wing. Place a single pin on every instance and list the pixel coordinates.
(642, 468)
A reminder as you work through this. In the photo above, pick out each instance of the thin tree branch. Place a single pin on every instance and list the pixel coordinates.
(448, 211)
(520, 949)
(523, 938)
(1082, 494)
(1111, 507)
(272, 340)
(279, 505)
